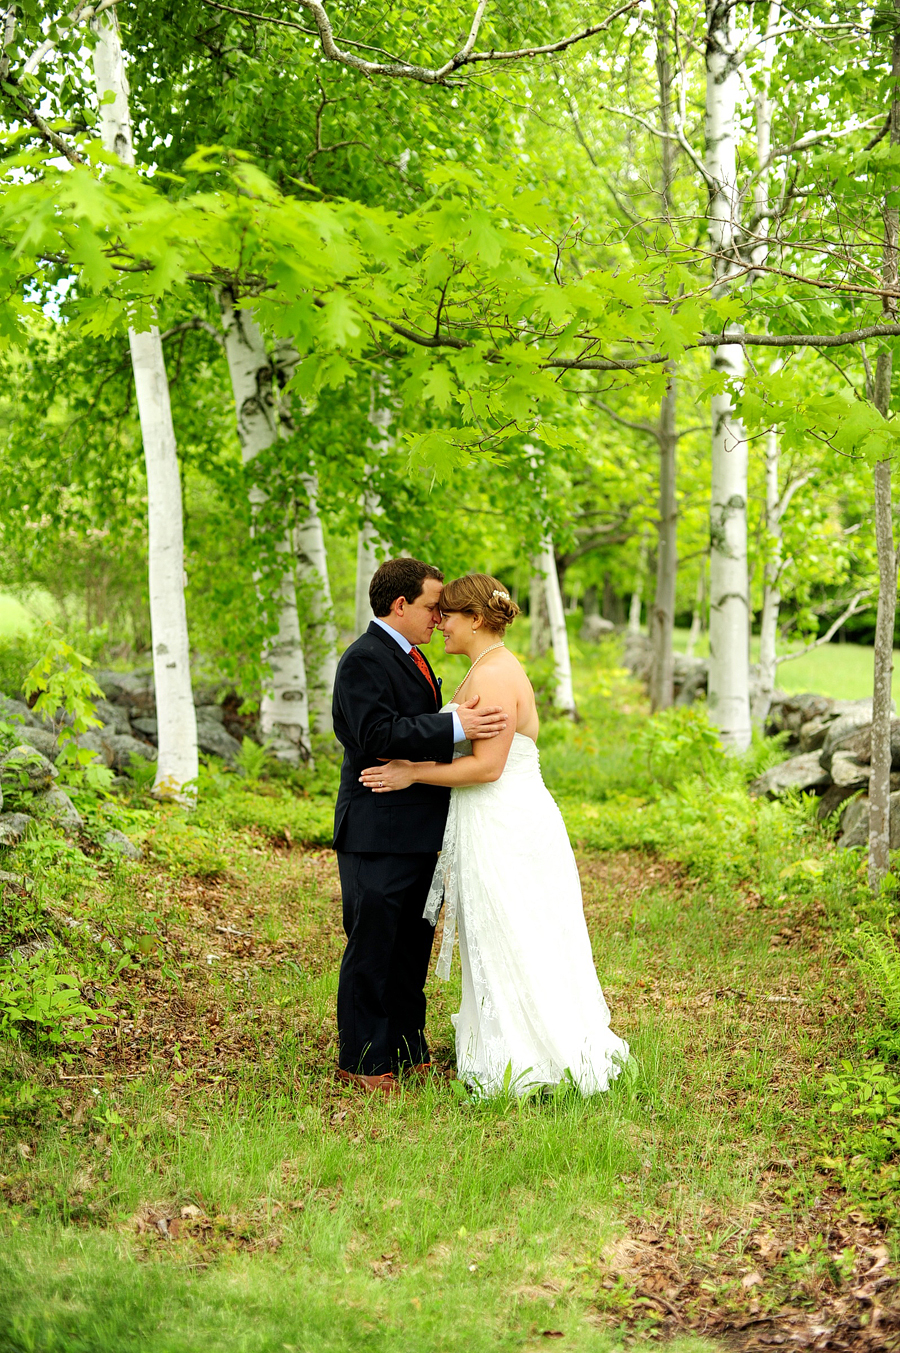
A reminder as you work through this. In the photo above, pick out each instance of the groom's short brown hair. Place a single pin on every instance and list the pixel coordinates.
(399, 578)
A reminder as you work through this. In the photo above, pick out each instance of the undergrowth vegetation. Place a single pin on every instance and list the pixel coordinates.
(179, 1165)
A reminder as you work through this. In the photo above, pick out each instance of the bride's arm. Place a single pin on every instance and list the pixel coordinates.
(484, 765)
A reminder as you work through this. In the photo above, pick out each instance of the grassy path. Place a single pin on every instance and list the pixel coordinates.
(202, 1183)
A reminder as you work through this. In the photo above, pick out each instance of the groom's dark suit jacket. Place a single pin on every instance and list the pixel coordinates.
(383, 708)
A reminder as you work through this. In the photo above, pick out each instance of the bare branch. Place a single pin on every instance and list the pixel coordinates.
(636, 425)
(790, 489)
(832, 629)
(80, 14)
(195, 323)
(811, 138)
(870, 145)
(297, 27)
(429, 75)
(25, 109)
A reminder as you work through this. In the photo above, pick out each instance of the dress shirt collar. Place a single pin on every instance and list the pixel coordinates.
(397, 637)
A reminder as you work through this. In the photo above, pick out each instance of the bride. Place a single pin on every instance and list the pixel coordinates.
(532, 1011)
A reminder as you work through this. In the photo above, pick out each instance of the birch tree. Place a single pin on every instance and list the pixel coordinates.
(729, 601)
(284, 707)
(177, 763)
(880, 781)
(370, 549)
(564, 692)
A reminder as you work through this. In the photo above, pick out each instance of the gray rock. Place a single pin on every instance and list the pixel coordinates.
(800, 772)
(26, 768)
(694, 682)
(120, 747)
(842, 728)
(46, 743)
(788, 713)
(149, 727)
(13, 827)
(855, 824)
(832, 800)
(14, 711)
(847, 772)
(813, 734)
(211, 713)
(215, 741)
(214, 692)
(19, 881)
(128, 688)
(92, 741)
(113, 717)
(637, 656)
(594, 628)
(57, 804)
(859, 744)
(119, 843)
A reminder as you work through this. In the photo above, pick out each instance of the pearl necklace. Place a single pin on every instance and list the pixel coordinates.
(475, 664)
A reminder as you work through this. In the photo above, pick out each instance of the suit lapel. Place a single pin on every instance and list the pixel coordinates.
(407, 662)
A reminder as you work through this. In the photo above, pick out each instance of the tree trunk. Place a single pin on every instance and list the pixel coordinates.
(320, 646)
(661, 617)
(284, 709)
(537, 611)
(768, 633)
(370, 549)
(880, 780)
(697, 615)
(177, 762)
(662, 613)
(559, 638)
(729, 650)
(768, 630)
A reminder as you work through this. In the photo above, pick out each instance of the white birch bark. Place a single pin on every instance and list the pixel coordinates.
(661, 615)
(321, 634)
(559, 636)
(539, 642)
(768, 632)
(729, 659)
(370, 549)
(635, 606)
(697, 614)
(284, 708)
(177, 762)
(880, 779)
(768, 629)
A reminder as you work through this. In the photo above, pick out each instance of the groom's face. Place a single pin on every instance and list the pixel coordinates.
(416, 619)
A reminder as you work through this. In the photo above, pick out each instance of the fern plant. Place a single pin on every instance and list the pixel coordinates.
(878, 955)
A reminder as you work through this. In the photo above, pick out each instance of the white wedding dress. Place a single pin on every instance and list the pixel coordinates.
(532, 1011)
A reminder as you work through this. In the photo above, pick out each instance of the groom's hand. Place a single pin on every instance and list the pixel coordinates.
(486, 723)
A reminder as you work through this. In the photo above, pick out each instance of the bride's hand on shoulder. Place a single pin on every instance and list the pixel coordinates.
(392, 775)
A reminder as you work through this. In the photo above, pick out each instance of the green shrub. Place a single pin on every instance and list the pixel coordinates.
(877, 954)
(66, 695)
(678, 743)
(38, 1000)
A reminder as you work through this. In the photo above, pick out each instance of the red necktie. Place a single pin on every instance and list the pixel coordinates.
(423, 667)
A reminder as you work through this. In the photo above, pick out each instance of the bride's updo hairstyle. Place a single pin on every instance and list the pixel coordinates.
(479, 595)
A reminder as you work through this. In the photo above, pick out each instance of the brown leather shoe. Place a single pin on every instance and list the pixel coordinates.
(419, 1072)
(385, 1085)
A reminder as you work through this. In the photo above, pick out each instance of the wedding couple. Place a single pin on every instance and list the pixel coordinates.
(463, 780)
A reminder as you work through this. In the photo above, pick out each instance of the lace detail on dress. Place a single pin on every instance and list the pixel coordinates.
(532, 1009)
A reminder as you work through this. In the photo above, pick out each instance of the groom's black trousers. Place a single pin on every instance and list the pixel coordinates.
(381, 998)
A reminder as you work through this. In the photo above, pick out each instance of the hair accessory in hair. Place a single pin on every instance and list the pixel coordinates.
(504, 596)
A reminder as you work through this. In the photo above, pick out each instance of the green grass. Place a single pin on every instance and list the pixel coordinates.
(317, 1220)
(841, 671)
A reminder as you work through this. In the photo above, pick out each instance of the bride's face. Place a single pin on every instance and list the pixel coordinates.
(456, 628)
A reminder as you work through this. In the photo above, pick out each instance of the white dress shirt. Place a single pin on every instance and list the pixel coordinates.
(458, 734)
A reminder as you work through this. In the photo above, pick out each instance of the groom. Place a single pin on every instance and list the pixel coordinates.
(386, 703)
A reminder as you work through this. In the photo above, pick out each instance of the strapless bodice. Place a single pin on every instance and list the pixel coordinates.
(523, 753)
